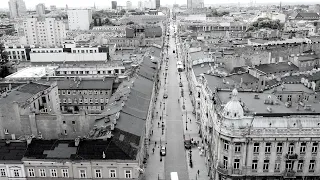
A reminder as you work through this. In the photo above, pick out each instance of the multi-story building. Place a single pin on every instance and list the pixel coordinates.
(41, 9)
(79, 19)
(17, 8)
(157, 4)
(129, 5)
(114, 5)
(87, 94)
(19, 102)
(44, 31)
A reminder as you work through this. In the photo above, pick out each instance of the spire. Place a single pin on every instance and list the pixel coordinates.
(234, 95)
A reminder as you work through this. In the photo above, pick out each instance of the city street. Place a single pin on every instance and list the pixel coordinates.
(176, 158)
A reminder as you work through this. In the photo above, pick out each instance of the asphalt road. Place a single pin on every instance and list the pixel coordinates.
(175, 160)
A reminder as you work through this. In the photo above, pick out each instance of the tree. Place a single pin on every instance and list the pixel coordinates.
(4, 65)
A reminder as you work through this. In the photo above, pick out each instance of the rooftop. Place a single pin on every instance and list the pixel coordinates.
(86, 84)
(66, 149)
(279, 67)
(12, 151)
(33, 72)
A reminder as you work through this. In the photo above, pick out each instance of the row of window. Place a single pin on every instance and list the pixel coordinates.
(266, 165)
(279, 147)
(84, 92)
(289, 97)
(65, 173)
(75, 101)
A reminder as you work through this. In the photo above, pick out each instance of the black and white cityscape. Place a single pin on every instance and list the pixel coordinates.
(159, 90)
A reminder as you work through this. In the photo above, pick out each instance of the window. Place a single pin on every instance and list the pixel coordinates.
(256, 147)
(225, 162)
(291, 148)
(2, 172)
(254, 164)
(266, 165)
(237, 148)
(16, 173)
(300, 165)
(303, 148)
(312, 165)
(82, 173)
(279, 147)
(268, 147)
(112, 173)
(64, 172)
(53, 172)
(31, 172)
(289, 98)
(277, 166)
(236, 164)
(289, 165)
(226, 145)
(314, 148)
(98, 173)
(42, 172)
(127, 174)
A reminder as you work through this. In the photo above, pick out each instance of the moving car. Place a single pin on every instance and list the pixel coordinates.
(187, 142)
(163, 151)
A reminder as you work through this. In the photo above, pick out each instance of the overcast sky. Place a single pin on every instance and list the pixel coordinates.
(107, 3)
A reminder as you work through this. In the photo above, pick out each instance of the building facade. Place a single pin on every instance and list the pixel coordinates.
(17, 8)
(44, 32)
(41, 9)
(79, 19)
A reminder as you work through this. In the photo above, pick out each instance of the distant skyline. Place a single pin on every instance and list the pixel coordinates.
(30, 4)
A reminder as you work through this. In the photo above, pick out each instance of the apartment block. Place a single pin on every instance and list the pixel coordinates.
(79, 19)
(44, 32)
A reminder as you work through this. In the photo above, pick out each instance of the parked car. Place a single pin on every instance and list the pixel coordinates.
(163, 151)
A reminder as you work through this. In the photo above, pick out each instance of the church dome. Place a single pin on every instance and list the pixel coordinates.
(233, 109)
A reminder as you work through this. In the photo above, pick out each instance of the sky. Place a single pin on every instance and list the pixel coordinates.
(107, 3)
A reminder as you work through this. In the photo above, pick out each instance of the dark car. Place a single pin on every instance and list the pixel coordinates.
(163, 151)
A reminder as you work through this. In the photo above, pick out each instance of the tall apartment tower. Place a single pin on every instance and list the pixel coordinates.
(129, 5)
(114, 4)
(157, 4)
(41, 9)
(79, 19)
(17, 8)
(44, 32)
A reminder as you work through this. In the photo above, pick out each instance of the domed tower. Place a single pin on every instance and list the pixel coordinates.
(233, 109)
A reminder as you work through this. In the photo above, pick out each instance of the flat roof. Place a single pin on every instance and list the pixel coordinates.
(32, 72)
(253, 105)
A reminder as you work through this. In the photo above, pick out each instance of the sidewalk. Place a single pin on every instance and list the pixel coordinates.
(155, 167)
(191, 128)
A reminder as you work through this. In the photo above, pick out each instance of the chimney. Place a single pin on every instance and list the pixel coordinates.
(77, 141)
(29, 140)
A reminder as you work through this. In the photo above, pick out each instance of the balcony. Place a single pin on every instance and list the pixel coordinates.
(291, 156)
(222, 170)
(289, 174)
(236, 171)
